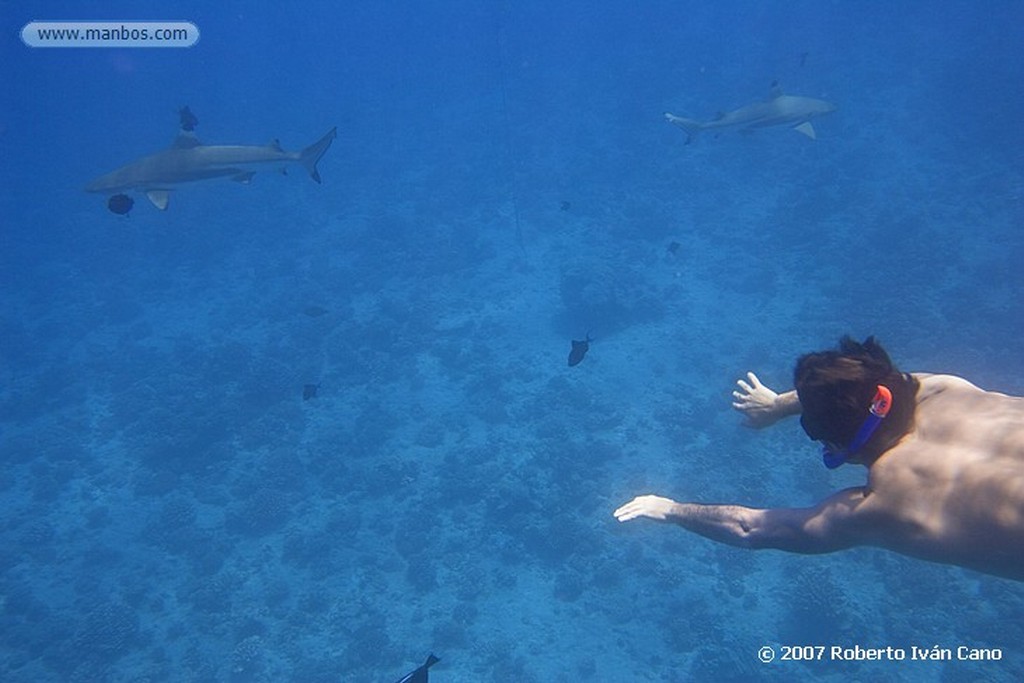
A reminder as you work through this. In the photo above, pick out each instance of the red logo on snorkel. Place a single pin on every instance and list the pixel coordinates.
(882, 401)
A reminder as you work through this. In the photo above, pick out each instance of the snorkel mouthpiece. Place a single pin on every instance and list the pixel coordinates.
(880, 406)
(833, 459)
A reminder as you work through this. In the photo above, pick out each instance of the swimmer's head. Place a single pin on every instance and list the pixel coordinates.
(836, 389)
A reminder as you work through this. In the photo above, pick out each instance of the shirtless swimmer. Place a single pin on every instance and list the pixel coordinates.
(945, 466)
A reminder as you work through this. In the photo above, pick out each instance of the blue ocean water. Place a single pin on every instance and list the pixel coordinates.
(503, 182)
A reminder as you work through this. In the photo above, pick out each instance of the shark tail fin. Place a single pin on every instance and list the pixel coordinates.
(689, 125)
(311, 155)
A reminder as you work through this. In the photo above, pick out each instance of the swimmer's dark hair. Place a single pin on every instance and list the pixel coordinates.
(836, 389)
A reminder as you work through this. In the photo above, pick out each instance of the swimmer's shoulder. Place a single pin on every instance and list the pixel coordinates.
(934, 384)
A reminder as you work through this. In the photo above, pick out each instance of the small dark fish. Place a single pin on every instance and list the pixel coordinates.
(803, 58)
(120, 204)
(309, 391)
(579, 350)
(419, 674)
(673, 247)
(188, 119)
(315, 311)
(566, 206)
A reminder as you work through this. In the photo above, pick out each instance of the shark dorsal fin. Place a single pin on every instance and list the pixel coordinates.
(186, 140)
(807, 129)
(775, 91)
(275, 145)
(159, 198)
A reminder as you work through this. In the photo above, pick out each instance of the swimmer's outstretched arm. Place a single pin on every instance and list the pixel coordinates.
(831, 525)
(762, 407)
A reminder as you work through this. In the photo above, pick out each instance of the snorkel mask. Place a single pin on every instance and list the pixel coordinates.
(880, 406)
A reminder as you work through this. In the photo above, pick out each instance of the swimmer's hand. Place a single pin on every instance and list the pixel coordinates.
(762, 407)
(653, 507)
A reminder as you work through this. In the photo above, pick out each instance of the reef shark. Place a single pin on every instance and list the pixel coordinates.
(778, 110)
(188, 160)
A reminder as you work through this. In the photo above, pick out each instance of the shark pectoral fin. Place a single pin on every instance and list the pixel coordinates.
(807, 129)
(159, 198)
(244, 177)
